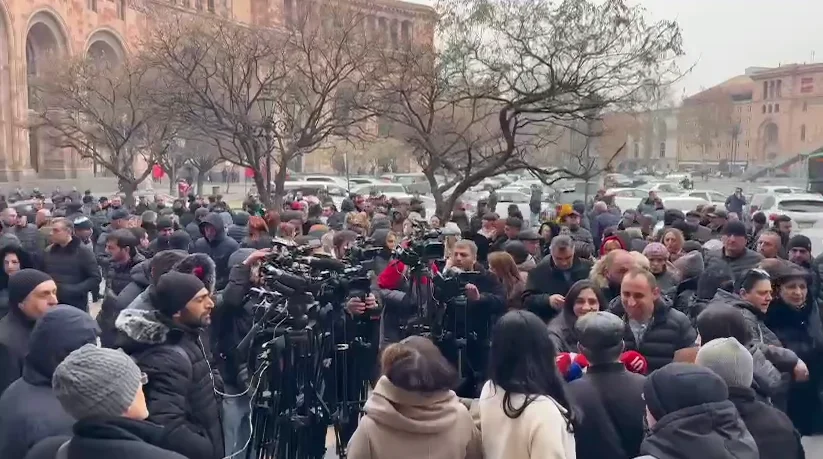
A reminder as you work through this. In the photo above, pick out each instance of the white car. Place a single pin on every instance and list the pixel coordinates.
(663, 188)
(805, 210)
(380, 188)
(779, 190)
(713, 197)
(324, 179)
(629, 198)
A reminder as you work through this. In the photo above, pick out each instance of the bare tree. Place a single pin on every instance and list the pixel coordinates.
(705, 121)
(509, 76)
(264, 95)
(105, 113)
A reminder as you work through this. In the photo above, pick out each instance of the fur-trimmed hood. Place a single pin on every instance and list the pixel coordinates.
(143, 327)
(202, 266)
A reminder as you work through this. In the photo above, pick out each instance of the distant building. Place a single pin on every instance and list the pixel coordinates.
(32, 34)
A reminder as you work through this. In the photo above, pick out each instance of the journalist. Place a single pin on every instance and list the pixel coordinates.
(485, 303)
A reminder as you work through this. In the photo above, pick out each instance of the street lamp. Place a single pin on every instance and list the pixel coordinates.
(735, 132)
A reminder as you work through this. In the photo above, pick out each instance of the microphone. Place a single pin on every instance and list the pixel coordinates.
(571, 365)
(326, 264)
(635, 362)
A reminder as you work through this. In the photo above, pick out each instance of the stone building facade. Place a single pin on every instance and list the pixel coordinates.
(32, 33)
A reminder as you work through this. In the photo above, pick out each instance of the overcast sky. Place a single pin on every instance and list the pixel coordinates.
(723, 37)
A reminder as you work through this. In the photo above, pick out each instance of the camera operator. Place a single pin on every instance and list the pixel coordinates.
(485, 303)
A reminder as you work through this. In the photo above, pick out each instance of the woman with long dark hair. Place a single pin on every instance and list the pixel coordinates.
(413, 409)
(14, 259)
(502, 265)
(794, 318)
(524, 411)
(583, 297)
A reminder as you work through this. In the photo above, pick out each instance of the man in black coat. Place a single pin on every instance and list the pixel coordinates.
(217, 245)
(102, 390)
(31, 294)
(611, 423)
(548, 283)
(772, 430)
(485, 303)
(30, 409)
(652, 327)
(121, 245)
(168, 343)
(73, 267)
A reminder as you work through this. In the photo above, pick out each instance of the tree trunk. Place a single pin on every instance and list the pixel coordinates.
(279, 185)
(128, 188)
(201, 177)
(172, 174)
(260, 183)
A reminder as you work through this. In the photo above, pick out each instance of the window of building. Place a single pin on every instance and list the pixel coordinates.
(802, 132)
(765, 92)
(211, 6)
(771, 89)
(805, 106)
(662, 149)
(92, 5)
(770, 108)
(121, 9)
(636, 150)
(747, 143)
(779, 87)
(764, 108)
(776, 108)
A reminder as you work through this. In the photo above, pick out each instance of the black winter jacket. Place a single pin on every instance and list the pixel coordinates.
(120, 438)
(562, 333)
(801, 331)
(26, 261)
(120, 273)
(668, 331)
(140, 276)
(180, 392)
(219, 249)
(15, 329)
(611, 421)
(546, 280)
(772, 430)
(232, 319)
(74, 270)
(707, 431)
(29, 409)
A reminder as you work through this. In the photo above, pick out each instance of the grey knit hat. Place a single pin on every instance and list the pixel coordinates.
(729, 359)
(94, 381)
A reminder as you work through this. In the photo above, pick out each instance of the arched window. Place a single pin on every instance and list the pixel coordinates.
(802, 132)
(662, 149)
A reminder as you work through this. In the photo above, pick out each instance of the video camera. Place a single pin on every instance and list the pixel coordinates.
(424, 246)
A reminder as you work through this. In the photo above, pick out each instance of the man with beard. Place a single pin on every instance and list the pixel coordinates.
(734, 252)
(511, 230)
(167, 343)
(717, 220)
(485, 302)
(615, 265)
(769, 245)
(783, 227)
(548, 283)
(583, 241)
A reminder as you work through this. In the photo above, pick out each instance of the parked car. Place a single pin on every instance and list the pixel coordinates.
(715, 198)
(805, 210)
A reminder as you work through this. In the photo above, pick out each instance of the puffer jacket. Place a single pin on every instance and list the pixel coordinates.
(120, 274)
(74, 270)
(29, 409)
(409, 425)
(219, 249)
(238, 231)
(180, 392)
(668, 331)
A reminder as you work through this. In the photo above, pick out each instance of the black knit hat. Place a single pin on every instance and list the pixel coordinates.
(164, 222)
(682, 385)
(174, 290)
(24, 282)
(800, 241)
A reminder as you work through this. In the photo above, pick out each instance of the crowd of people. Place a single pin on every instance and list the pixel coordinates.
(601, 333)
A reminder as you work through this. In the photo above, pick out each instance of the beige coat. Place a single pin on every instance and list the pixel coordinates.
(399, 424)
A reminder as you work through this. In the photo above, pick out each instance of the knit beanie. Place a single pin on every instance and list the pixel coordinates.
(24, 282)
(729, 359)
(800, 241)
(682, 385)
(656, 249)
(174, 290)
(164, 223)
(94, 381)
